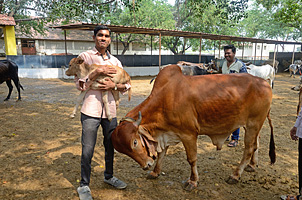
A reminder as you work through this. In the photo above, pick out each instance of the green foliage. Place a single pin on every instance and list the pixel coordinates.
(285, 15)
(60, 11)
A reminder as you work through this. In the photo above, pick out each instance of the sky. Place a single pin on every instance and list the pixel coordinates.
(172, 2)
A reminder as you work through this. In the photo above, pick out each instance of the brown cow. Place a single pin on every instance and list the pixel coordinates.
(78, 68)
(181, 107)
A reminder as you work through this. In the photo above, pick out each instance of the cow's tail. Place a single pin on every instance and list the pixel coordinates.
(272, 152)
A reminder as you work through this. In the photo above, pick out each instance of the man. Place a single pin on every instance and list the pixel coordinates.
(93, 114)
(232, 65)
(296, 134)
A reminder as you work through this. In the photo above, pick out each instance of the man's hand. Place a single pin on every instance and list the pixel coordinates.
(106, 84)
(293, 133)
(105, 70)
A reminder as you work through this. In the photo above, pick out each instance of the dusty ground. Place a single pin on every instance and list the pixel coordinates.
(40, 151)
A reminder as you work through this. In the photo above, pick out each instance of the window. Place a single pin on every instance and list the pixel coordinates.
(28, 43)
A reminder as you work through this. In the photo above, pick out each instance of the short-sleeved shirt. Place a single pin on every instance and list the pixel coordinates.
(236, 67)
(298, 125)
(93, 103)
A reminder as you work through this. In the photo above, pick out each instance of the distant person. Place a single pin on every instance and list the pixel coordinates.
(232, 65)
(93, 113)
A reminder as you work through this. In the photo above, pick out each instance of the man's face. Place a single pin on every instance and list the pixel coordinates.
(229, 55)
(102, 39)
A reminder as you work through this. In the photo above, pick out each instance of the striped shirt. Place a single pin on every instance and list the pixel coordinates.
(236, 67)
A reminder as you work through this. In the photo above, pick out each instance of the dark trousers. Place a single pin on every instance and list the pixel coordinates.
(90, 126)
(300, 164)
(235, 134)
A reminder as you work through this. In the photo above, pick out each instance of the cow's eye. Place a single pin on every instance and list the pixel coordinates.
(135, 143)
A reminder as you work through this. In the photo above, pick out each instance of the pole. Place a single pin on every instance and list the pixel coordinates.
(214, 49)
(293, 57)
(274, 56)
(255, 53)
(116, 43)
(199, 58)
(242, 50)
(261, 51)
(159, 58)
(219, 49)
(151, 45)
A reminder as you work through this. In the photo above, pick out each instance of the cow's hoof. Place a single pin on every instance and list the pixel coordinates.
(5, 99)
(232, 180)
(71, 116)
(152, 175)
(249, 168)
(189, 185)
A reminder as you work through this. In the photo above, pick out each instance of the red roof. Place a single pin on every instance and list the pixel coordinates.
(6, 20)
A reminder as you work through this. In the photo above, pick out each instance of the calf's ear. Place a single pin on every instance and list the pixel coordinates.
(80, 60)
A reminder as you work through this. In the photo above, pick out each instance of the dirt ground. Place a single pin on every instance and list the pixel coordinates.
(40, 151)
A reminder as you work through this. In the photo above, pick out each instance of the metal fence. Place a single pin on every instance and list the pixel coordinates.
(44, 61)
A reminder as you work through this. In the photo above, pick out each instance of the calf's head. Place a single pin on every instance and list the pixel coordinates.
(134, 140)
(74, 66)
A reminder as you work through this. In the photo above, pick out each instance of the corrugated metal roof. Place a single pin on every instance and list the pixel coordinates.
(7, 20)
(167, 32)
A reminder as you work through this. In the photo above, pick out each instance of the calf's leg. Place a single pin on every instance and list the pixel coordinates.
(106, 104)
(116, 97)
(79, 100)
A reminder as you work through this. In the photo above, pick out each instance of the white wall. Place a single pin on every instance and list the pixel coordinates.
(60, 72)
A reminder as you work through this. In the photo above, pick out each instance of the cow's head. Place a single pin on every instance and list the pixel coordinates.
(134, 140)
(74, 66)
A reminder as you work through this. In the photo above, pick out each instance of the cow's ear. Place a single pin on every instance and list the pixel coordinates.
(144, 132)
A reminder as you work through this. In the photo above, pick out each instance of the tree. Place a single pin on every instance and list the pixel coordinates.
(64, 11)
(208, 16)
(150, 14)
(286, 13)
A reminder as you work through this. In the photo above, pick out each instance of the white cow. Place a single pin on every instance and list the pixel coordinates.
(266, 72)
(293, 69)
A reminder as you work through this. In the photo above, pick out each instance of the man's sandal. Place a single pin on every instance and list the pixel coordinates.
(233, 143)
(290, 197)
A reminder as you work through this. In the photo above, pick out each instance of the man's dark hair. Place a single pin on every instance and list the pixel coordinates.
(101, 27)
(230, 46)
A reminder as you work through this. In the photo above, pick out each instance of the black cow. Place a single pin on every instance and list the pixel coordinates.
(8, 72)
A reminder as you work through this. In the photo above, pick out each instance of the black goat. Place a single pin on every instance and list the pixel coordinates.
(8, 72)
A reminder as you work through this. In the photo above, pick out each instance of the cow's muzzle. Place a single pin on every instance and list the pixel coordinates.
(148, 165)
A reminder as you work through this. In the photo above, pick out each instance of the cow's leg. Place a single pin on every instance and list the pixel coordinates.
(250, 143)
(17, 84)
(191, 150)
(157, 169)
(106, 104)
(254, 160)
(79, 100)
(10, 89)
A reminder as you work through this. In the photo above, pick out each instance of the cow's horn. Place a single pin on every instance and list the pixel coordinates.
(139, 120)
